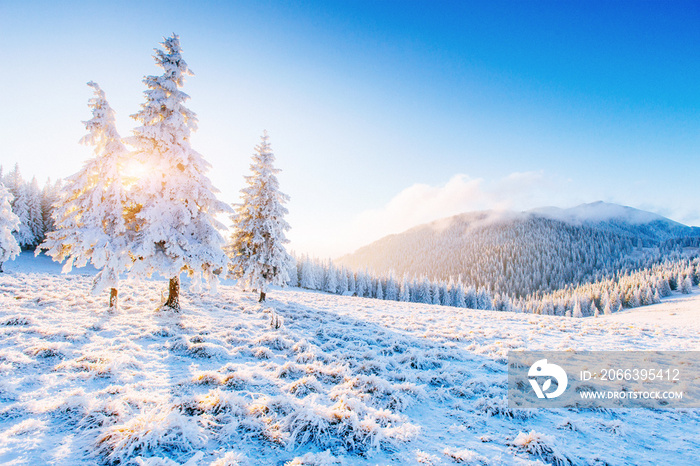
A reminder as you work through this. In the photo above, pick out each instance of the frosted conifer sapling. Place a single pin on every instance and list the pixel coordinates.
(258, 254)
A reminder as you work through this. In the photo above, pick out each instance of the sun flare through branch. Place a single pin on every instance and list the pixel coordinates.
(132, 171)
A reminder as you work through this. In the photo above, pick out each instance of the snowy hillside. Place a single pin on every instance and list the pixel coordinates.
(522, 253)
(307, 378)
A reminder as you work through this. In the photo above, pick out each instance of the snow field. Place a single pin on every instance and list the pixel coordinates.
(307, 378)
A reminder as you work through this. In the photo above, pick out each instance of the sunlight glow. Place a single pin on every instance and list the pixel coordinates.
(132, 171)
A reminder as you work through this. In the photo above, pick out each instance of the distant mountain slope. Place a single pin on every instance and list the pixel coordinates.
(651, 228)
(521, 253)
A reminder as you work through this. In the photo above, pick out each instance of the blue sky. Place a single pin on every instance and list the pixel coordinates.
(383, 114)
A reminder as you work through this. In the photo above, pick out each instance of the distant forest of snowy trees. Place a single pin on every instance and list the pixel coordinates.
(314, 274)
(625, 290)
(32, 204)
(652, 278)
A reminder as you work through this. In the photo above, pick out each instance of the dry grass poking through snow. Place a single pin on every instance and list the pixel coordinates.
(306, 379)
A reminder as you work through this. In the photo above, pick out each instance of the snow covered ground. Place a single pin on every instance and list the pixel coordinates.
(306, 378)
(680, 311)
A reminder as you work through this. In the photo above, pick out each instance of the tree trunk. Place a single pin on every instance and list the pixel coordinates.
(262, 297)
(1, 270)
(113, 299)
(173, 301)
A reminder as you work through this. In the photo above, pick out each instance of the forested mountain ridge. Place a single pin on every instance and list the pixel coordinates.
(521, 253)
(649, 227)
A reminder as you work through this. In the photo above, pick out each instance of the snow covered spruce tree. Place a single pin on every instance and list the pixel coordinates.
(258, 255)
(176, 229)
(91, 220)
(9, 222)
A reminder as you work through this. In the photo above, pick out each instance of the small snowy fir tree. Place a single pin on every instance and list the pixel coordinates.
(391, 289)
(458, 295)
(342, 281)
(607, 310)
(257, 251)
(686, 284)
(351, 281)
(615, 302)
(307, 279)
(91, 220)
(9, 222)
(176, 202)
(361, 284)
(647, 296)
(469, 296)
(577, 308)
(379, 294)
(435, 293)
(330, 282)
(404, 290)
(483, 299)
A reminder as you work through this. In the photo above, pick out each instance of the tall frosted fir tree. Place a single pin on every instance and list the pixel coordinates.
(9, 222)
(258, 255)
(176, 202)
(92, 212)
